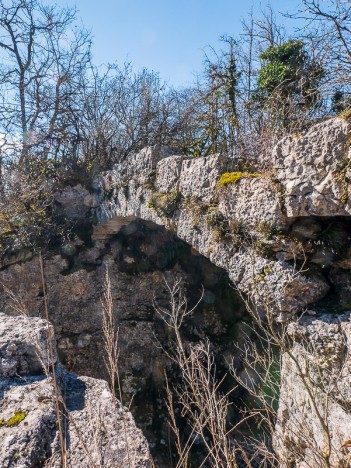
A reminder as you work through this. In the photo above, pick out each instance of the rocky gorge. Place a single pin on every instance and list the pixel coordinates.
(280, 240)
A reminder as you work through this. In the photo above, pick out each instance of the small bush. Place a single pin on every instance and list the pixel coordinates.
(164, 203)
(28, 214)
(268, 230)
(197, 209)
(263, 249)
(240, 232)
(217, 222)
(335, 236)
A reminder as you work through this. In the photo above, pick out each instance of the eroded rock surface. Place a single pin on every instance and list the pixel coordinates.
(183, 195)
(314, 171)
(96, 429)
(298, 226)
(314, 416)
(282, 237)
(310, 178)
(25, 345)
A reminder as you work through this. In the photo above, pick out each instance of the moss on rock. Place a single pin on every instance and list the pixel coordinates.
(15, 420)
(232, 177)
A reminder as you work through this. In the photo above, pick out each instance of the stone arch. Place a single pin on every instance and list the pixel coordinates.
(182, 195)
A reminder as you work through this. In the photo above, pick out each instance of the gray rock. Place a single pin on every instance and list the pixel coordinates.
(28, 442)
(315, 396)
(24, 345)
(97, 430)
(251, 201)
(168, 173)
(309, 168)
(199, 177)
(311, 177)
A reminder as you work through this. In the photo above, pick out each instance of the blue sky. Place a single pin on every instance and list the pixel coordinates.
(168, 36)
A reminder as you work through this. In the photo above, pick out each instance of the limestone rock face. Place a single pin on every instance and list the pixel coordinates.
(282, 238)
(183, 195)
(258, 229)
(199, 176)
(252, 201)
(97, 429)
(168, 173)
(314, 416)
(24, 345)
(313, 170)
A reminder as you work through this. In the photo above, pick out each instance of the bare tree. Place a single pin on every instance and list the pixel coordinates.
(122, 111)
(42, 56)
(327, 28)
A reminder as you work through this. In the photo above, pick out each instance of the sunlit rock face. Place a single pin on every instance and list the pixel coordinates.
(202, 214)
(314, 170)
(282, 237)
(314, 416)
(95, 426)
(300, 215)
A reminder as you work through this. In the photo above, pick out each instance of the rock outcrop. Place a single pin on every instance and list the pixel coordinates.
(297, 222)
(314, 170)
(137, 259)
(95, 429)
(183, 195)
(25, 346)
(314, 418)
(284, 240)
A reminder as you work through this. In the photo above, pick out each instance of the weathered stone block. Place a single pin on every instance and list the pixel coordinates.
(310, 168)
(25, 345)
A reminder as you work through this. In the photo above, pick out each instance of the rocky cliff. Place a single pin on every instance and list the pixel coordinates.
(137, 259)
(282, 238)
(189, 197)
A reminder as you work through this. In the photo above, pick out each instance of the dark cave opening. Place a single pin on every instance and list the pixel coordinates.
(145, 248)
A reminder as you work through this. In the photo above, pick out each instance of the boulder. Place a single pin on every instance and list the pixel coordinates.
(24, 346)
(94, 430)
